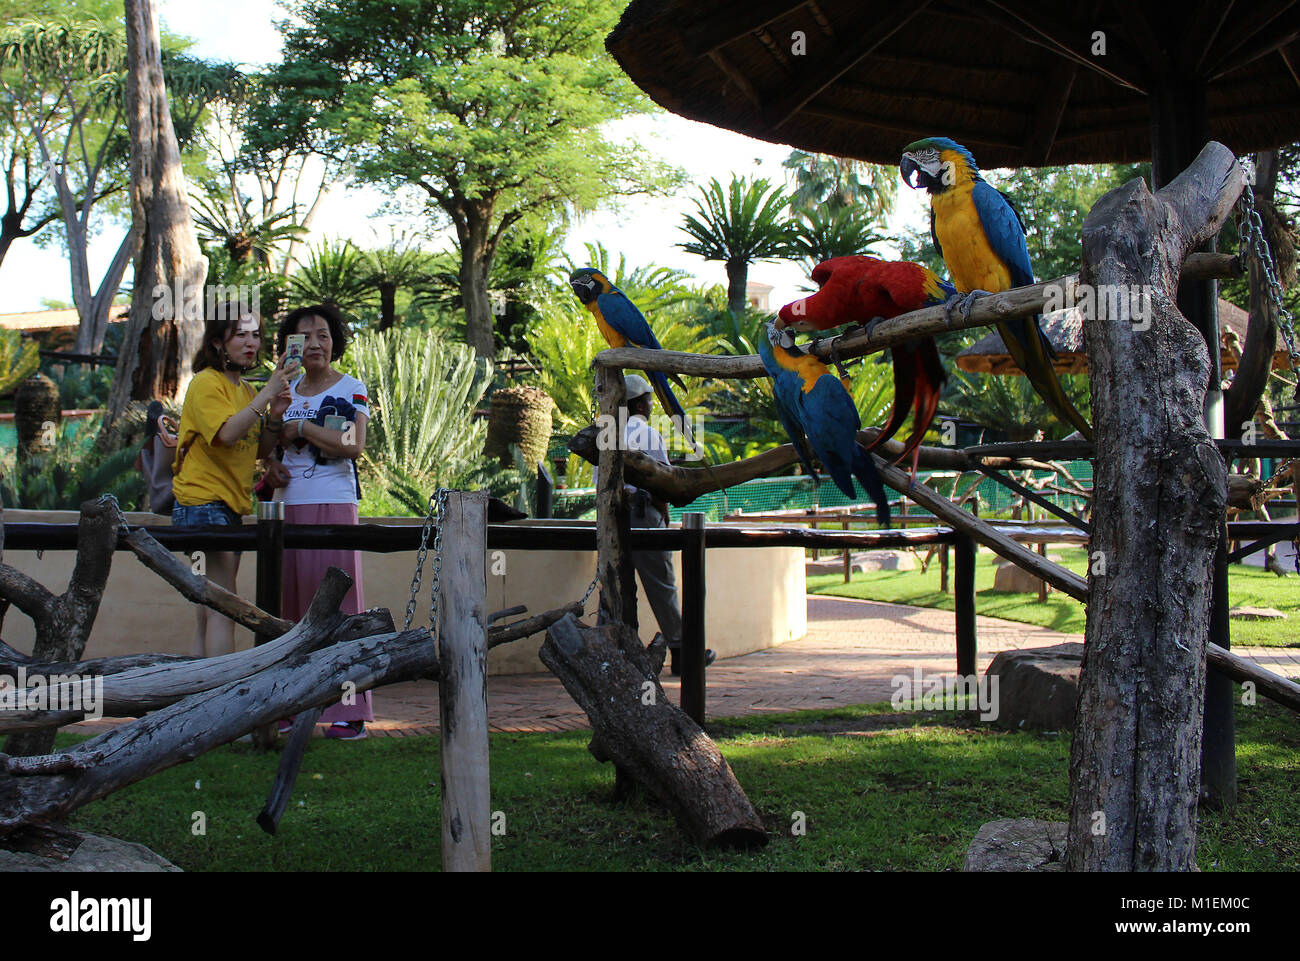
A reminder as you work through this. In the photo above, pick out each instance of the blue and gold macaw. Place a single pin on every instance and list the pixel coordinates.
(623, 325)
(816, 410)
(982, 240)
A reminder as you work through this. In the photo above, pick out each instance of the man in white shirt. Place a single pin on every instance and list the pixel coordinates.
(654, 567)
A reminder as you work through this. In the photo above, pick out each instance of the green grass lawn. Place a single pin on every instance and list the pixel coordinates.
(1247, 586)
(877, 791)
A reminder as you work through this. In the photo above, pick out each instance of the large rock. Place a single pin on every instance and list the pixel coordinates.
(863, 561)
(1016, 580)
(1037, 687)
(77, 852)
(1020, 844)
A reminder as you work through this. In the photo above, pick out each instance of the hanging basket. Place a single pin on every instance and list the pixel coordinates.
(520, 416)
(36, 404)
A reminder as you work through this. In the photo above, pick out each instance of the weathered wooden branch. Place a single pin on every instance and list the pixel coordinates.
(606, 670)
(63, 623)
(286, 773)
(506, 633)
(1160, 494)
(1020, 302)
(132, 693)
(208, 719)
(197, 588)
(681, 485)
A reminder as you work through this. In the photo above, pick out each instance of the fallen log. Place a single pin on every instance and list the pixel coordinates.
(612, 678)
(132, 693)
(42, 789)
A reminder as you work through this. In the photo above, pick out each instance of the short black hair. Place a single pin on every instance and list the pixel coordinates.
(333, 318)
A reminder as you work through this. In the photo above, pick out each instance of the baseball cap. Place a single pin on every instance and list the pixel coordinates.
(637, 386)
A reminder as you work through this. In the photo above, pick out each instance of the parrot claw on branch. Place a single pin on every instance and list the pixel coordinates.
(963, 303)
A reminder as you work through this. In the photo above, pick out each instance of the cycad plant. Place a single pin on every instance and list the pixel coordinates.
(747, 221)
(19, 359)
(826, 232)
(334, 273)
(423, 391)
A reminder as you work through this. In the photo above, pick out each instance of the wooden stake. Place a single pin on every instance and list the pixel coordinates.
(462, 686)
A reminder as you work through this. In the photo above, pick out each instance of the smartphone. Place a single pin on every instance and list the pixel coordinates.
(294, 345)
(334, 421)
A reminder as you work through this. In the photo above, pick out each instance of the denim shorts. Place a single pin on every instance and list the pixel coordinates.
(215, 514)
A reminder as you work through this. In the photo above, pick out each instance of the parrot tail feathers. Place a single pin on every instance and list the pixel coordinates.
(864, 469)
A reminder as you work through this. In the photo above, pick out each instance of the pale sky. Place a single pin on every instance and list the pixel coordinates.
(646, 230)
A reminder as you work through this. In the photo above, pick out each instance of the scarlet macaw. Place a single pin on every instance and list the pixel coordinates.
(623, 325)
(815, 409)
(982, 240)
(863, 290)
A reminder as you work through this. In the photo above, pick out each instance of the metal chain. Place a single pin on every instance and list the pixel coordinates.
(437, 562)
(419, 562)
(1252, 239)
(590, 587)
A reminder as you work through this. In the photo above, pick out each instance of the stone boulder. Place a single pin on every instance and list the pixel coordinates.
(1019, 844)
(1016, 580)
(1037, 687)
(76, 852)
(863, 561)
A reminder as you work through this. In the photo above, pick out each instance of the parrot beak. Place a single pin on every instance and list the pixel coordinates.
(586, 288)
(927, 171)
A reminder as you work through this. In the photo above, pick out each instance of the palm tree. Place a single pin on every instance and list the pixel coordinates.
(335, 273)
(743, 224)
(398, 265)
(827, 232)
(821, 180)
(233, 225)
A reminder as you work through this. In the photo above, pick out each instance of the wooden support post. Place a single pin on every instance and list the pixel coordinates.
(816, 553)
(270, 584)
(1042, 584)
(613, 518)
(270, 560)
(693, 640)
(943, 568)
(1219, 734)
(965, 599)
(462, 686)
(848, 560)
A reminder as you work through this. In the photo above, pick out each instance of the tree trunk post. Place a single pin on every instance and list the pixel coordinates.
(270, 584)
(462, 686)
(1160, 495)
(613, 516)
(693, 639)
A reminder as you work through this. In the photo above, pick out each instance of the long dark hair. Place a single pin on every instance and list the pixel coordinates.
(219, 326)
(333, 319)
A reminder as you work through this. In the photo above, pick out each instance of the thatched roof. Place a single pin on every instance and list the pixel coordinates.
(1064, 328)
(1016, 81)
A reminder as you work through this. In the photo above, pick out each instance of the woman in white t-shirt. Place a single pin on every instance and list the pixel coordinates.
(324, 433)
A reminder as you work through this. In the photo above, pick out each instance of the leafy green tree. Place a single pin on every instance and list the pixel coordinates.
(490, 108)
(746, 222)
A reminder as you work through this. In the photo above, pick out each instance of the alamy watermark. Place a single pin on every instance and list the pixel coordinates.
(946, 693)
(1125, 302)
(55, 692)
(199, 302)
(638, 434)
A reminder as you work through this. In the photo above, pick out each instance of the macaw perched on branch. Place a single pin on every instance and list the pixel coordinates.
(816, 410)
(863, 290)
(623, 325)
(982, 240)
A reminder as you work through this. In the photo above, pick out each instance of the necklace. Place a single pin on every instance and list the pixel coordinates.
(307, 391)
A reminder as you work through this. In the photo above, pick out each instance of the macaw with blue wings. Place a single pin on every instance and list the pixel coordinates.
(817, 411)
(982, 240)
(623, 325)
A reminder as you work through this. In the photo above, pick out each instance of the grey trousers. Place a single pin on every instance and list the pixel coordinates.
(656, 571)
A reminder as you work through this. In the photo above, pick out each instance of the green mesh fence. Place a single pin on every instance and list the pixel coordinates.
(767, 494)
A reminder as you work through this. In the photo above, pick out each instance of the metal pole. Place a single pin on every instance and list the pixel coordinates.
(545, 493)
(693, 590)
(270, 558)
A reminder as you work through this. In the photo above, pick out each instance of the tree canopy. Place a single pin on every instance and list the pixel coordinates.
(490, 108)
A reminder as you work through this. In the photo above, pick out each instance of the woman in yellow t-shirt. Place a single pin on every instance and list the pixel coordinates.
(226, 426)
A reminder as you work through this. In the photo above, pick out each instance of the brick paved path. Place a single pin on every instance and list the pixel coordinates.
(852, 650)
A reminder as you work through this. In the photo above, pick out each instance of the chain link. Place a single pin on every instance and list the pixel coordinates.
(437, 562)
(590, 587)
(419, 562)
(1251, 230)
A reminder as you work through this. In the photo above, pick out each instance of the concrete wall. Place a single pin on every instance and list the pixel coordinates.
(755, 597)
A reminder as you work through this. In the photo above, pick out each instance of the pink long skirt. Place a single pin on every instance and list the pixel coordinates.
(303, 572)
